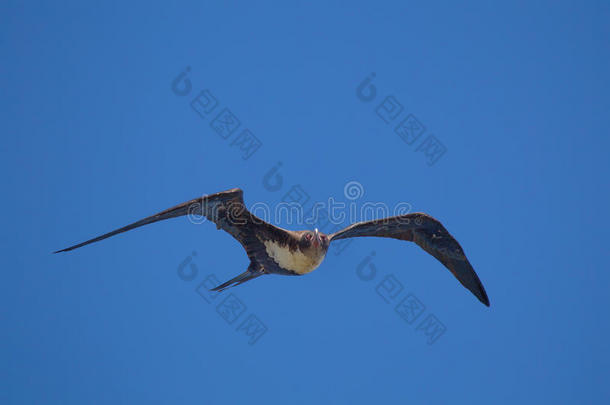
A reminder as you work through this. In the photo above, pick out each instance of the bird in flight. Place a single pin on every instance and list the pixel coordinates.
(273, 250)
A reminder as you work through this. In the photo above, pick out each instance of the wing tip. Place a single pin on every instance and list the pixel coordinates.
(482, 295)
(466, 275)
(469, 279)
(485, 300)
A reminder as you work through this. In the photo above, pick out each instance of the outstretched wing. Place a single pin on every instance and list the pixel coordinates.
(227, 210)
(209, 205)
(431, 236)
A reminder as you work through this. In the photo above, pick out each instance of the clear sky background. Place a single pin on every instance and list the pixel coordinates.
(95, 138)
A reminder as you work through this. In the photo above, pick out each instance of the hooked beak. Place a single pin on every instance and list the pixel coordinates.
(317, 241)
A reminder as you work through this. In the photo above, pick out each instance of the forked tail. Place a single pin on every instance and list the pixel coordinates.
(248, 275)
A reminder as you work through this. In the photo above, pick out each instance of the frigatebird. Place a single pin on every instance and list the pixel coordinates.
(274, 250)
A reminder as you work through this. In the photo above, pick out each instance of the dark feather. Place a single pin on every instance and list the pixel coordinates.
(431, 236)
(228, 211)
(207, 204)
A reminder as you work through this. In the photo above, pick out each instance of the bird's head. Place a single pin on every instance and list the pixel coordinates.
(314, 240)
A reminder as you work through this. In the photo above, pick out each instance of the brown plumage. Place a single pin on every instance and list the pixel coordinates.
(273, 250)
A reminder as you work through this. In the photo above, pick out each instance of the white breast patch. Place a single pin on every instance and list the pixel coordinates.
(295, 261)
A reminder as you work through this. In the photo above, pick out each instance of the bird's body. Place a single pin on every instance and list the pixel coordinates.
(293, 259)
(273, 250)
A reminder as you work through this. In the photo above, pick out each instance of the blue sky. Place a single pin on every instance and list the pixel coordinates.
(516, 96)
